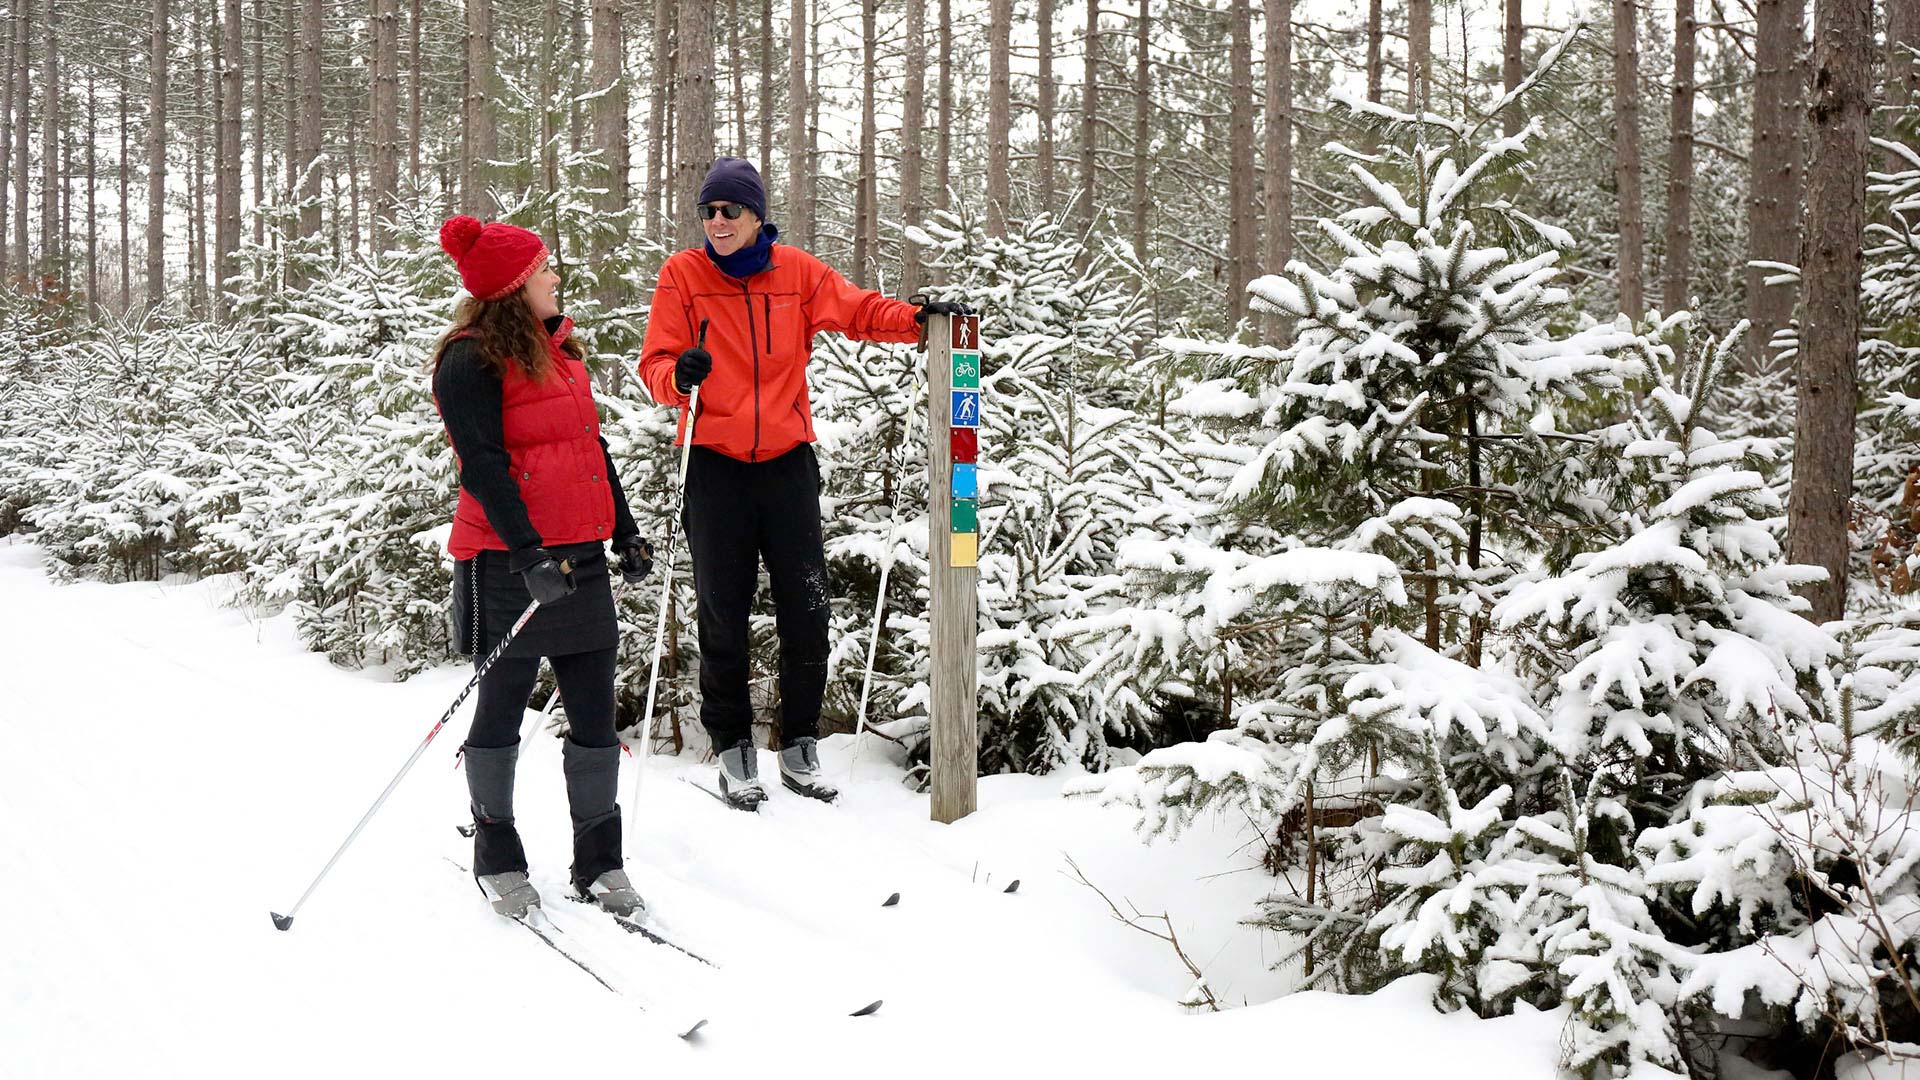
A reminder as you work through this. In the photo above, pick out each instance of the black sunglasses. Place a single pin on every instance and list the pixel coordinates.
(730, 211)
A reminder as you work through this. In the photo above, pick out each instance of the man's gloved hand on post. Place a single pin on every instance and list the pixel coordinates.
(934, 307)
(694, 365)
(636, 558)
(548, 579)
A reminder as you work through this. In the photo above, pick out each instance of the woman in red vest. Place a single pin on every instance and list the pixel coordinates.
(539, 500)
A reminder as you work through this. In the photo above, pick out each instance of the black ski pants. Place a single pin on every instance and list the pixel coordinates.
(737, 514)
(586, 689)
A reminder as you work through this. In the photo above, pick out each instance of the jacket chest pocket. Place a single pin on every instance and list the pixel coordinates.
(783, 320)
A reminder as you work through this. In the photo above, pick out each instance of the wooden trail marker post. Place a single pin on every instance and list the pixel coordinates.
(953, 547)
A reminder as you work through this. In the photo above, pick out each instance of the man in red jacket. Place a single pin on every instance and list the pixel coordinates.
(753, 484)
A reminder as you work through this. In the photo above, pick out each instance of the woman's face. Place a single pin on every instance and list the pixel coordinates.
(541, 292)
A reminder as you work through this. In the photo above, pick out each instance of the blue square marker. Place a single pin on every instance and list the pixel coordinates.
(966, 408)
(966, 482)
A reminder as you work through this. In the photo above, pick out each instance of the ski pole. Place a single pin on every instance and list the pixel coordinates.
(879, 611)
(666, 592)
(285, 922)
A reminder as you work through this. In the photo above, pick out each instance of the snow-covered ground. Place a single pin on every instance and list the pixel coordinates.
(172, 769)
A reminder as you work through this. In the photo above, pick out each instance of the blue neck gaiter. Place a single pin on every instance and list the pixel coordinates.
(749, 260)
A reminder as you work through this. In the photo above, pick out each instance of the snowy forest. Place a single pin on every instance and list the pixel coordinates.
(1472, 449)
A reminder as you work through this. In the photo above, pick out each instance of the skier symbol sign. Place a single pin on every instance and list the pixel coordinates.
(966, 408)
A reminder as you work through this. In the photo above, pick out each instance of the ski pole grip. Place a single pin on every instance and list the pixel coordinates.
(702, 343)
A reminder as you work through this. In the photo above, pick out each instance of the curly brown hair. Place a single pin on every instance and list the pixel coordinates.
(506, 332)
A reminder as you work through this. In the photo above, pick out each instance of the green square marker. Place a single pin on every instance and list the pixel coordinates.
(966, 371)
(966, 515)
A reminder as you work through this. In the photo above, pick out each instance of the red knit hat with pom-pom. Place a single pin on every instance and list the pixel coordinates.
(494, 259)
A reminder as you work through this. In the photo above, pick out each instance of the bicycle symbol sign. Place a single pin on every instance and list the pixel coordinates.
(966, 370)
(966, 408)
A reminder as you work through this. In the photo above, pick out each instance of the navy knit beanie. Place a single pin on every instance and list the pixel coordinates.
(735, 180)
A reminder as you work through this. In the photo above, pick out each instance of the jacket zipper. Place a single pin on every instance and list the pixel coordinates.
(766, 304)
(753, 342)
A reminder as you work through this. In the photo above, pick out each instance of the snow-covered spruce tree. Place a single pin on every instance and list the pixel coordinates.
(1424, 417)
(1669, 657)
(1064, 472)
(1806, 869)
(1886, 468)
(356, 546)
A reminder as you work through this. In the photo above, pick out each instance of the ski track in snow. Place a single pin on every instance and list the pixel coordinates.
(171, 770)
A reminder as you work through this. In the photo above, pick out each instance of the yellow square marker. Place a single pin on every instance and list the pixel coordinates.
(965, 550)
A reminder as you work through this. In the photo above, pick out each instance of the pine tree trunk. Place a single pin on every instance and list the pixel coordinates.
(1044, 105)
(796, 119)
(1240, 184)
(233, 78)
(577, 46)
(813, 122)
(312, 101)
(549, 90)
(610, 107)
(737, 62)
(414, 76)
(93, 211)
(126, 187)
(1773, 204)
(476, 195)
(353, 179)
(1818, 506)
(693, 140)
(198, 247)
(863, 209)
(23, 126)
(66, 207)
(1677, 266)
(999, 114)
(51, 257)
(1142, 209)
(385, 117)
(157, 159)
(8, 45)
(1090, 118)
(943, 141)
(659, 155)
(913, 207)
(259, 117)
(766, 96)
(1626, 150)
(1512, 73)
(1420, 55)
(290, 96)
(1279, 148)
(1376, 58)
(1903, 37)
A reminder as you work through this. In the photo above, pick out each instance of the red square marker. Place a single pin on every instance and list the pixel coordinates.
(966, 445)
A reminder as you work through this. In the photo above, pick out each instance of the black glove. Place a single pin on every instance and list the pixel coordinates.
(549, 579)
(937, 307)
(636, 559)
(693, 366)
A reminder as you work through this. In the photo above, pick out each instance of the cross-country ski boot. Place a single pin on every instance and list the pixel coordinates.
(499, 862)
(740, 777)
(800, 771)
(510, 893)
(593, 776)
(616, 894)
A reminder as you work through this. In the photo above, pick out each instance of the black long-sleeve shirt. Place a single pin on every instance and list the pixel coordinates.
(469, 392)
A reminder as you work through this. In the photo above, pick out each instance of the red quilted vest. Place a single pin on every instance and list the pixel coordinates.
(552, 435)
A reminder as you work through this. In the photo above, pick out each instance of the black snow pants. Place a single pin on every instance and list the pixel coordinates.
(737, 514)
